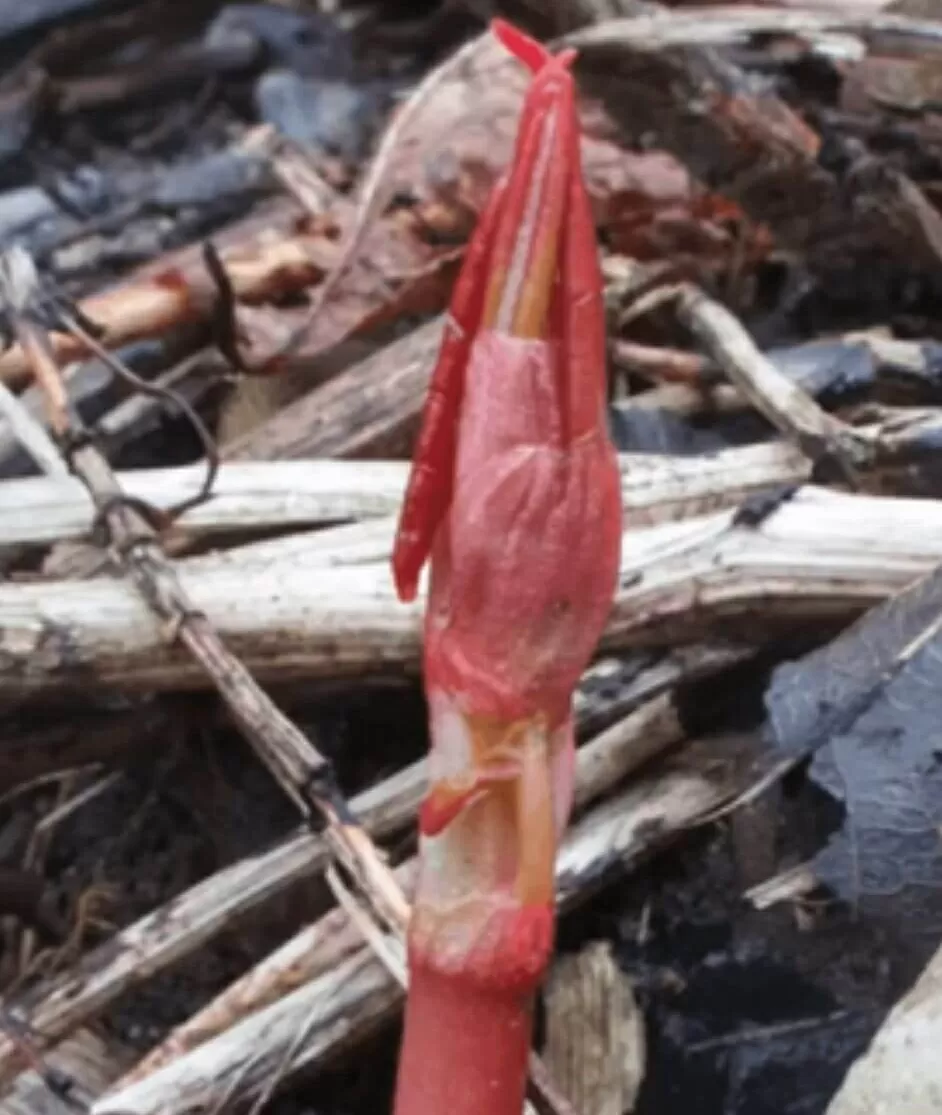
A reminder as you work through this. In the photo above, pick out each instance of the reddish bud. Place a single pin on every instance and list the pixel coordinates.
(515, 496)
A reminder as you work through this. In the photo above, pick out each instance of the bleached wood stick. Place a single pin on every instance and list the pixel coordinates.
(249, 495)
(355, 996)
(89, 1062)
(595, 1033)
(733, 23)
(821, 553)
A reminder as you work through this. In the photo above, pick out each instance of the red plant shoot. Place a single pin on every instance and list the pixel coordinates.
(515, 499)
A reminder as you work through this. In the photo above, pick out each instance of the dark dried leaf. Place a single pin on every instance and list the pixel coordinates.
(868, 707)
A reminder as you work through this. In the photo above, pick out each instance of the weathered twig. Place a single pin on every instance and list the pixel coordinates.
(290, 494)
(81, 1068)
(357, 994)
(720, 25)
(595, 1035)
(154, 303)
(784, 403)
(820, 553)
(31, 435)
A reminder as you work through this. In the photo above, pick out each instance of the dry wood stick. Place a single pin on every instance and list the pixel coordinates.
(786, 405)
(251, 496)
(724, 24)
(86, 1064)
(819, 553)
(153, 302)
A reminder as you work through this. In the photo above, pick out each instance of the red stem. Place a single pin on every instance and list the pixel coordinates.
(465, 1049)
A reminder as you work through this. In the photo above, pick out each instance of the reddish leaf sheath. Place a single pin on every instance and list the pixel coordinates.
(515, 498)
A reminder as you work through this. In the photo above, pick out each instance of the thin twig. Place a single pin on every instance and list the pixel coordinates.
(164, 394)
(823, 438)
(390, 950)
(786, 405)
(31, 435)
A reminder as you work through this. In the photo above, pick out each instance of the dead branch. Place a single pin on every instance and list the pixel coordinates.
(819, 554)
(783, 403)
(85, 1065)
(286, 494)
(786, 405)
(31, 435)
(595, 1033)
(371, 410)
(153, 303)
(721, 25)
(252, 496)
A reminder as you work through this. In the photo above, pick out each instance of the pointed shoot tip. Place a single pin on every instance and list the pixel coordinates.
(526, 49)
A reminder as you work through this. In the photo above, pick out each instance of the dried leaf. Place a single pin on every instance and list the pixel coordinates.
(868, 707)
(595, 1039)
(647, 202)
